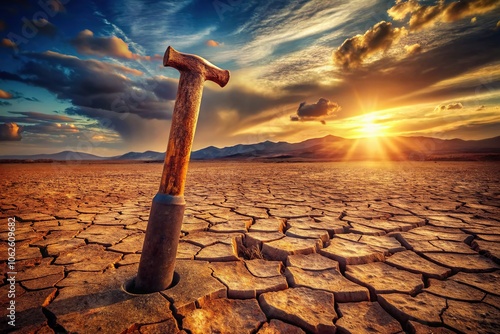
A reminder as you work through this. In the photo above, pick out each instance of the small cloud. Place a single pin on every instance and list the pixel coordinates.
(213, 43)
(498, 25)
(5, 103)
(457, 105)
(3, 25)
(10, 132)
(86, 43)
(5, 95)
(54, 6)
(473, 20)
(355, 50)
(32, 99)
(45, 27)
(7, 43)
(480, 108)
(311, 112)
(413, 49)
(450, 106)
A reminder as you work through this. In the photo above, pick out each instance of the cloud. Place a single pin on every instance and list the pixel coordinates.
(5, 95)
(163, 87)
(213, 43)
(44, 27)
(384, 83)
(3, 25)
(314, 111)
(457, 105)
(131, 128)
(458, 10)
(56, 6)
(51, 128)
(10, 132)
(355, 50)
(33, 116)
(498, 25)
(92, 84)
(425, 16)
(99, 91)
(86, 43)
(17, 95)
(7, 43)
(404, 8)
(5, 103)
(413, 49)
(451, 106)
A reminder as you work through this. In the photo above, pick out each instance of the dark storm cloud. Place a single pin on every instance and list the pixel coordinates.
(245, 102)
(130, 127)
(99, 91)
(163, 87)
(424, 16)
(247, 107)
(9, 76)
(355, 50)
(93, 84)
(315, 111)
(10, 132)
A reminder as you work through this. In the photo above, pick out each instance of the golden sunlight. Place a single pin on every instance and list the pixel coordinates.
(368, 127)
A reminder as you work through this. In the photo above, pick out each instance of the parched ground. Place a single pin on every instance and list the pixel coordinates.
(265, 248)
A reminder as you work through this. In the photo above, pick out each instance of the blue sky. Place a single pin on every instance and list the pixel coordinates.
(88, 76)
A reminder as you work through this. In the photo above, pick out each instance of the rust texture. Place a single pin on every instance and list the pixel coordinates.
(157, 264)
(194, 71)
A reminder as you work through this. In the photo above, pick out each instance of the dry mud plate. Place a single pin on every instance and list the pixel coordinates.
(265, 248)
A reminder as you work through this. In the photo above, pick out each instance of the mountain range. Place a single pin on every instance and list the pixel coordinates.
(329, 148)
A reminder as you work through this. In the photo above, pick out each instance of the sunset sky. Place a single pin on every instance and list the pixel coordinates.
(87, 75)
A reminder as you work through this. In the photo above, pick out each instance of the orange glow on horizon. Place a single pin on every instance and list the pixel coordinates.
(368, 127)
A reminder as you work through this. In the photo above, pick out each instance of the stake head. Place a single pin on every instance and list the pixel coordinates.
(185, 62)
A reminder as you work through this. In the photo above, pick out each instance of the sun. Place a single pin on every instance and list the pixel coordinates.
(368, 127)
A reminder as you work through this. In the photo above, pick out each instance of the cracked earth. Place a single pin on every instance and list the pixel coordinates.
(265, 248)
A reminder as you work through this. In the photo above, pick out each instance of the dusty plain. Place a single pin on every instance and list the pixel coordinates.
(265, 248)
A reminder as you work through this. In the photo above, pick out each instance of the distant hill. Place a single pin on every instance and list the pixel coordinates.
(329, 148)
(145, 156)
(76, 156)
(61, 156)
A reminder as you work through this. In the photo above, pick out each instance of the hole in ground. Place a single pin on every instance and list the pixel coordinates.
(130, 288)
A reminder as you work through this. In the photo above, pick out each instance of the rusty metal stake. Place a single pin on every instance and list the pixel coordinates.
(157, 264)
